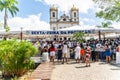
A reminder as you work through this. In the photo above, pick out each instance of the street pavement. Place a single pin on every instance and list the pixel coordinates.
(78, 71)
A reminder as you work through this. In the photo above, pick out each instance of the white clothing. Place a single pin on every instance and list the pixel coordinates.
(45, 57)
(44, 44)
(68, 53)
(36, 46)
(77, 49)
(52, 53)
(65, 49)
(117, 57)
(56, 45)
(77, 52)
(69, 44)
(98, 46)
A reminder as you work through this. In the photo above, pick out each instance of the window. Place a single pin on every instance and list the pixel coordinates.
(53, 14)
(64, 19)
(54, 28)
(74, 14)
(60, 27)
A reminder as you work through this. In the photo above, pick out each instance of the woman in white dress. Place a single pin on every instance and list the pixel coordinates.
(118, 55)
(45, 55)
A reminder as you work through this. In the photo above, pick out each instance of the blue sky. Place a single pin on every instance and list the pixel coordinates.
(32, 7)
(34, 14)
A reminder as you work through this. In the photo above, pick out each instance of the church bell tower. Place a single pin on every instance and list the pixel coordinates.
(74, 14)
(53, 17)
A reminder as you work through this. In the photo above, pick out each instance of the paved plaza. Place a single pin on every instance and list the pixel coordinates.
(97, 71)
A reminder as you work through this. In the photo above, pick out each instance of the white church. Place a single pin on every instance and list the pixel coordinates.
(64, 21)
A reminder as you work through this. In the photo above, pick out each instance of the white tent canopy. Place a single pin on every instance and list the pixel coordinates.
(79, 28)
(96, 29)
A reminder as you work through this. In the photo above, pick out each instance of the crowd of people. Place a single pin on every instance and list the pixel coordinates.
(85, 52)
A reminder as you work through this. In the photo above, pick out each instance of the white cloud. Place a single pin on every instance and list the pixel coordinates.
(116, 25)
(81, 23)
(87, 20)
(32, 22)
(98, 9)
(65, 5)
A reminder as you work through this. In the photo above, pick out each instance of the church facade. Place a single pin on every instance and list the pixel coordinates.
(64, 21)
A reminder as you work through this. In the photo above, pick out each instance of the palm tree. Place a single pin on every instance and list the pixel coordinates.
(8, 6)
(79, 36)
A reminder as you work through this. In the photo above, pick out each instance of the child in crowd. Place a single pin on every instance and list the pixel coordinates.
(87, 59)
(82, 52)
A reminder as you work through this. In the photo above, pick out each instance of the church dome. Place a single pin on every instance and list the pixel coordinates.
(74, 8)
(53, 7)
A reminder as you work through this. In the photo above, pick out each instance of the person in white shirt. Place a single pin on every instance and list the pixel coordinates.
(65, 52)
(69, 44)
(77, 53)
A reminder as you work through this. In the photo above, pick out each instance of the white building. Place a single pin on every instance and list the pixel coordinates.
(64, 21)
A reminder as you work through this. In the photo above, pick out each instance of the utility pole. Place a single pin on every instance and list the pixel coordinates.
(21, 34)
(99, 34)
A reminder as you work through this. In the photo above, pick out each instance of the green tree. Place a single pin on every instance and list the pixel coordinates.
(8, 6)
(104, 25)
(110, 9)
(15, 57)
(79, 36)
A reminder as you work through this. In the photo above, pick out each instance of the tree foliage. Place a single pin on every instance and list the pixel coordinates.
(110, 11)
(15, 57)
(79, 36)
(106, 24)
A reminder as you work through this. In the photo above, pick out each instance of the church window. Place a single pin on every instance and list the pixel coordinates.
(74, 14)
(60, 27)
(53, 14)
(54, 28)
(64, 19)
